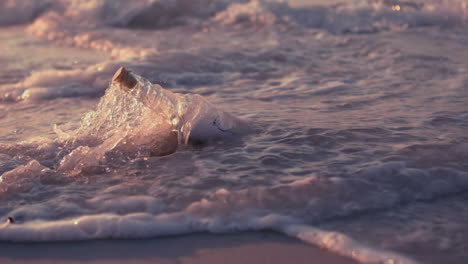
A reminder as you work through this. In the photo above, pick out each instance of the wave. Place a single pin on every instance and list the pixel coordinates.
(293, 209)
(137, 119)
(140, 216)
(360, 16)
(105, 26)
(144, 225)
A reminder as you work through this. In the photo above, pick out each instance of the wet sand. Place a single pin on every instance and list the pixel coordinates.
(260, 247)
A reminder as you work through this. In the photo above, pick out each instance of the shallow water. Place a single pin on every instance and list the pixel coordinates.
(357, 111)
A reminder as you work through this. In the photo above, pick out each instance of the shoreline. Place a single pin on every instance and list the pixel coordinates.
(245, 248)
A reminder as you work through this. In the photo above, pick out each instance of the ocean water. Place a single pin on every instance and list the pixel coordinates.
(344, 124)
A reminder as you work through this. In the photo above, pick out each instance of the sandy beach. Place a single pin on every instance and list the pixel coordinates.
(259, 247)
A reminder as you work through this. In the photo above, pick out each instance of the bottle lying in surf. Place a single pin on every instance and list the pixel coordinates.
(189, 117)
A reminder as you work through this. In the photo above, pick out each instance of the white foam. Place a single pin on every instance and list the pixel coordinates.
(144, 225)
(344, 245)
(51, 84)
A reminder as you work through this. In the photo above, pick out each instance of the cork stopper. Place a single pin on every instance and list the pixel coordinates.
(124, 77)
